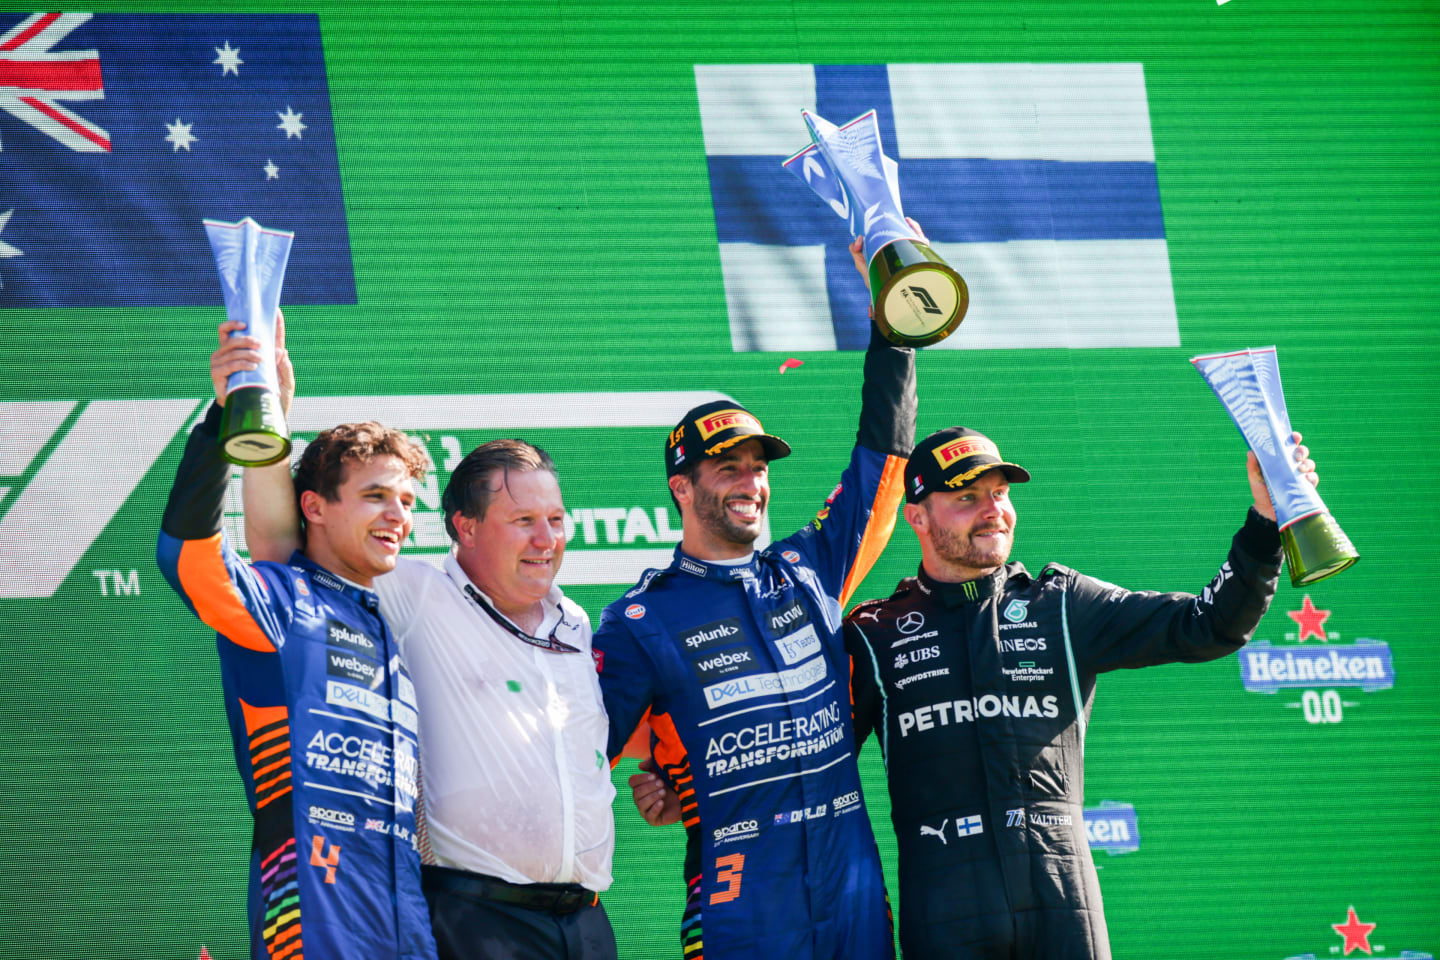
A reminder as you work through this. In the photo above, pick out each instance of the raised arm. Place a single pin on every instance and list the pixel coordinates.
(272, 519)
(192, 553)
(853, 526)
(1123, 629)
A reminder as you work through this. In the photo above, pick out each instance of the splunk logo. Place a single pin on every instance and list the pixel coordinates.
(1112, 827)
(707, 635)
(341, 635)
(1319, 671)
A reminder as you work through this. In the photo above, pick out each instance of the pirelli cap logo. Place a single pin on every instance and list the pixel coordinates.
(948, 454)
(713, 423)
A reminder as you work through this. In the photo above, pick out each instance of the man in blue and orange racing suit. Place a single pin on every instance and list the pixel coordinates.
(320, 707)
(735, 655)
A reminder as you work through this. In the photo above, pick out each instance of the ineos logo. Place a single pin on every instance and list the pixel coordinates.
(911, 622)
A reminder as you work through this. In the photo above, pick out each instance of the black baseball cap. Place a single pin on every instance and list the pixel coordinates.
(952, 458)
(712, 428)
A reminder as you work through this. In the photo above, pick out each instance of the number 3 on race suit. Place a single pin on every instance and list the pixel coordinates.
(727, 871)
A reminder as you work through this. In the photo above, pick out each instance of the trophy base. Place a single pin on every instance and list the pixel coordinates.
(919, 299)
(1316, 548)
(252, 428)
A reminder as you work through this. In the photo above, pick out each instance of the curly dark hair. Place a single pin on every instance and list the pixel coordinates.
(322, 465)
(469, 490)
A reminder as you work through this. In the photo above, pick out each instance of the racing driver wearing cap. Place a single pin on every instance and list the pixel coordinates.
(735, 655)
(978, 679)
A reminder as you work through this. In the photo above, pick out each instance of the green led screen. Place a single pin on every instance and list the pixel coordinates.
(567, 221)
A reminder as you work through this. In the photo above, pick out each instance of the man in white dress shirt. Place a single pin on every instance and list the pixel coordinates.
(517, 835)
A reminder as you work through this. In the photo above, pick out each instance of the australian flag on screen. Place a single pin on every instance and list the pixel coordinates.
(120, 134)
(1037, 181)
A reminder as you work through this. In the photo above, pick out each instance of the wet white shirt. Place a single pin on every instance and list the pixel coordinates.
(516, 784)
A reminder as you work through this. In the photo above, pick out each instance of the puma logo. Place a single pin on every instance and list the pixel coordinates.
(936, 832)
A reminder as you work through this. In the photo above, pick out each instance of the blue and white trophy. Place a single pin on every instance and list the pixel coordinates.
(251, 261)
(918, 298)
(1248, 384)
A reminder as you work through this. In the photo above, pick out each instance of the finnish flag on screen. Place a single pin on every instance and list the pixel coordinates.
(1036, 181)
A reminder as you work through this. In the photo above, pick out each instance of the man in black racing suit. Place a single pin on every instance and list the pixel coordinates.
(979, 679)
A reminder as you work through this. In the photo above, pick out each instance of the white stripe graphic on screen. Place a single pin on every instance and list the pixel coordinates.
(79, 488)
(776, 297)
(25, 427)
(502, 411)
(63, 511)
(1072, 293)
(521, 412)
(753, 109)
(1022, 111)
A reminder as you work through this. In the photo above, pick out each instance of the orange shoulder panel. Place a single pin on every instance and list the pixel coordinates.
(881, 525)
(217, 601)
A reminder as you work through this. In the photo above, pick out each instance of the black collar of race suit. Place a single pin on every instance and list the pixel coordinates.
(324, 578)
(969, 591)
(728, 572)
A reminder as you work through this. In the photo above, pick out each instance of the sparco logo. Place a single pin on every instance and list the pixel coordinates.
(724, 663)
(1020, 644)
(792, 616)
(741, 830)
(336, 818)
(351, 639)
(846, 802)
(711, 634)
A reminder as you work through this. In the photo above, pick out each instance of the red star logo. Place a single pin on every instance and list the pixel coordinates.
(1356, 934)
(1311, 621)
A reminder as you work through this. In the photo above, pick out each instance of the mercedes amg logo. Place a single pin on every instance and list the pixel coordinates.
(911, 622)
